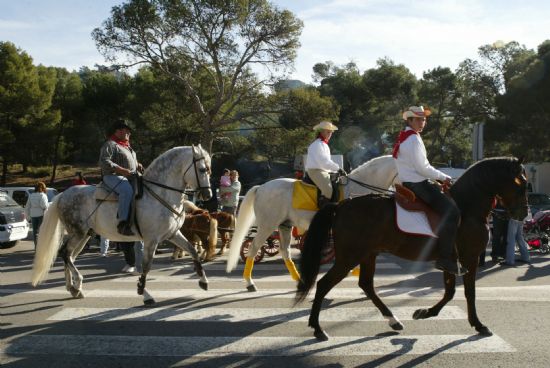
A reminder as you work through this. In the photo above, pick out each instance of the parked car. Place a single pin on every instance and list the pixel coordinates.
(538, 202)
(21, 194)
(13, 224)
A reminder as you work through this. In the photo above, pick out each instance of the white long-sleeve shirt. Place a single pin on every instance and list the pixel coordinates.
(318, 157)
(36, 204)
(412, 162)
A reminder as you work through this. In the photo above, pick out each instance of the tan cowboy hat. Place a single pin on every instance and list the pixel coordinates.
(325, 125)
(416, 112)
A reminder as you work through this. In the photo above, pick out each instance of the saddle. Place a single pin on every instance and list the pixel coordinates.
(408, 200)
(103, 193)
(335, 197)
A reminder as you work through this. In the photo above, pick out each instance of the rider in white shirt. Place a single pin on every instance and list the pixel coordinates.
(416, 173)
(319, 164)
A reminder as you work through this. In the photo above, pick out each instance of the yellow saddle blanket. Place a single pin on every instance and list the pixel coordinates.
(304, 196)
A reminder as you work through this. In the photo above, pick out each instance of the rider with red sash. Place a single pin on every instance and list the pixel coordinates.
(319, 164)
(416, 173)
(118, 162)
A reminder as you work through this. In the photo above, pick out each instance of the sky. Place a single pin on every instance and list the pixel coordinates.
(421, 34)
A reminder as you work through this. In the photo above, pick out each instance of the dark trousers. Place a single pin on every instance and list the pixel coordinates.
(129, 254)
(500, 231)
(36, 222)
(446, 208)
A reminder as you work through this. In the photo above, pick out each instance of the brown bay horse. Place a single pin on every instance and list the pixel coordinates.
(364, 227)
(203, 226)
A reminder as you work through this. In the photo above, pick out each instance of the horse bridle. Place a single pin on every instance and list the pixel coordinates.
(185, 191)
(182, 191)
(194, 164)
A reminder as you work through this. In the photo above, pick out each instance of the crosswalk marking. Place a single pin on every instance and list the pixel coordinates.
(270, 266)
(535, 293)
(284, 276)
(212, 314)
(167, 346)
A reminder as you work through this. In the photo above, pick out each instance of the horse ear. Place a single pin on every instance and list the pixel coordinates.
(521, 159)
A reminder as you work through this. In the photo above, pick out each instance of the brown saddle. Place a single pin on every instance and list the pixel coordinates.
(407, 199)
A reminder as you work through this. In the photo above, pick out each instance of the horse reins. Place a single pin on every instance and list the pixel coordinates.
(182, 191)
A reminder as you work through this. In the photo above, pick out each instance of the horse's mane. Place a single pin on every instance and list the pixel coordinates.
(168, 159)
(377, 161)
(484, 177)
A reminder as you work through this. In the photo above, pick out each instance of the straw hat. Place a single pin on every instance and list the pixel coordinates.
(416, 112)
(325, 125)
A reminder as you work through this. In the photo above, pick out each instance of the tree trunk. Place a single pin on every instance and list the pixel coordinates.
(56, 153)
(4, 172)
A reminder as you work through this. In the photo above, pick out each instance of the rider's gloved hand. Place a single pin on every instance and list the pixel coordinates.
(342, 172)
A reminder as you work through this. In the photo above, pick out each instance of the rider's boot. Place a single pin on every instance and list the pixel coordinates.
(322, 201)
(125, 228)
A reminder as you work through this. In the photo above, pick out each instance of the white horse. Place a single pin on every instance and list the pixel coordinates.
(270, 205)
(159, 214)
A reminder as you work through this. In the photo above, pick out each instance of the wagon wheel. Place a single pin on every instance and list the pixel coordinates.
(244, 249)
(271, 246)
(327, 253)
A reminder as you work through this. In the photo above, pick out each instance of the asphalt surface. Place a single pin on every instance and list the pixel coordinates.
(227, 326)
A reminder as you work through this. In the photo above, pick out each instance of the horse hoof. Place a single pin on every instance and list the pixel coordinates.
(251, 288)
(420, 314)
(149, 302)
(397, 326)
(484, 331)
(203, 285)
(321, 335)
(77, 294)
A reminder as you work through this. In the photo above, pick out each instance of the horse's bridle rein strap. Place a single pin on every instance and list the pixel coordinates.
(164, 203)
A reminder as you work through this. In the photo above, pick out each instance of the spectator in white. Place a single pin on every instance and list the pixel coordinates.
(319, 164)
(416, 173)
(229, 196)
(36, 205)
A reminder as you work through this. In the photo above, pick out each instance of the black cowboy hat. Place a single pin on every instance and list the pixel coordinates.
(118, 124)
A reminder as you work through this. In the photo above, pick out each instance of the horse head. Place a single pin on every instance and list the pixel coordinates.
(512, 189)
(197, 175)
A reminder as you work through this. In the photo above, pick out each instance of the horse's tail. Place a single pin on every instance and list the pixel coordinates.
(213, 235)
(316, 238)
(49, 241)
(244, 221)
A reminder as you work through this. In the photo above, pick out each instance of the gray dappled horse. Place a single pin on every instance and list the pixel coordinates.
(269, 206)
(159, 214)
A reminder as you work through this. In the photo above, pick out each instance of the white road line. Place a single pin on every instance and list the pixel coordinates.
(534, 293)
(284, 276)
(254, 345)
(265, 267)
(211, 314)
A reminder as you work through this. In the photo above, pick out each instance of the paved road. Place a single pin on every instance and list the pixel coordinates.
(229, 327)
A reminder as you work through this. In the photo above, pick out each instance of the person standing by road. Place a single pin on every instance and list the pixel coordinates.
(36, 205)
(229, 196)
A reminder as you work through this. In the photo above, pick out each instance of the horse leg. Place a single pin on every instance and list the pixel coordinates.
(470, 293)
(366, 282)
(285, 237)
(69, 251)
(179, 240)
(224, 235)
(324, 285)
(262, 233)
(450, 284)
(149, 249)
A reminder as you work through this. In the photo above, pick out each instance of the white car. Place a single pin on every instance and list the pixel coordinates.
(13, 224)
(21, 194)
